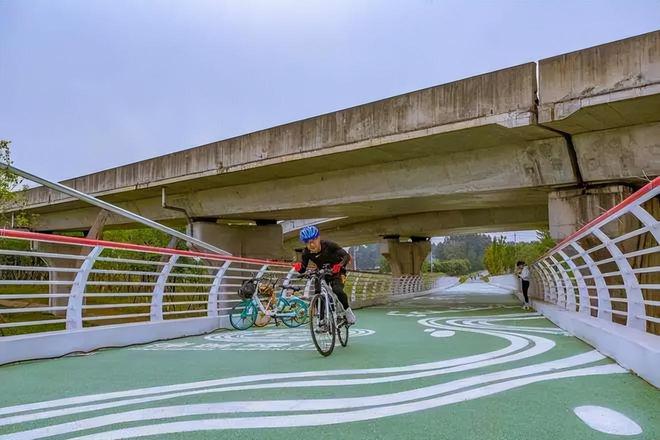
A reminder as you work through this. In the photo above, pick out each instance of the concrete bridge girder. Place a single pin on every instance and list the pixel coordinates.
(431, 224)
(478, 143)
(487, 178)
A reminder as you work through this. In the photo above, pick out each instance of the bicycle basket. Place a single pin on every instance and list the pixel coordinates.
(247, 289)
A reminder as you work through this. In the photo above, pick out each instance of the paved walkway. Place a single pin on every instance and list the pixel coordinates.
(464, 364)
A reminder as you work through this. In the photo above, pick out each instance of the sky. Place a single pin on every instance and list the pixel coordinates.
(87, 85)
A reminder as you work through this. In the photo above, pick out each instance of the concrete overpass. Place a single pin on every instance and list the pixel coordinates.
(502, 150)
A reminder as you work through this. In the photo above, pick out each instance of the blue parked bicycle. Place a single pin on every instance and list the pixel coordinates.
(284, 306)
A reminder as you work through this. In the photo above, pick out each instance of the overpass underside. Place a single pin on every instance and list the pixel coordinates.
(493, 152)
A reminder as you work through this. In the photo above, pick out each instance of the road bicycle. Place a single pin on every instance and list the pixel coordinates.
(327, 316)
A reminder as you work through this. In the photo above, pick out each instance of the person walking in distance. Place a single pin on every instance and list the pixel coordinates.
(522, 271)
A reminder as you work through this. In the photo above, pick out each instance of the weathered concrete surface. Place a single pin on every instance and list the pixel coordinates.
(572, 209)
(471, 144)
(509, 175)
(502, 99)
(611, 85)
(357, 230)
(405, 258)
(623, 154)
(243, 241)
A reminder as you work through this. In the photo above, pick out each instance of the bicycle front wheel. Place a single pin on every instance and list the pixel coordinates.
(243, 315)
(323, 330)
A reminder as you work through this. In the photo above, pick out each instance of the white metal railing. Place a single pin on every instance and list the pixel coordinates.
(97, 283)
(90, 283)
(366, 286)
(599, 273)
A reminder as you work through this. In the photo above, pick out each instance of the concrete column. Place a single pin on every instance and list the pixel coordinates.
(264, 241)
(405, 258)
(569, 210)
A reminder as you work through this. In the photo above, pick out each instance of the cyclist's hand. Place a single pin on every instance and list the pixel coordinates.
(297, 266)
(336, 268)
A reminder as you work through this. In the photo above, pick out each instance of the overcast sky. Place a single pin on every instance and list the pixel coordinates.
(87, 85)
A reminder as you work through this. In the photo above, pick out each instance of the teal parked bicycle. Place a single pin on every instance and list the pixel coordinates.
(285, 306)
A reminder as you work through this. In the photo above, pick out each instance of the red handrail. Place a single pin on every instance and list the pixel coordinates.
(627, 201)
(25, 235)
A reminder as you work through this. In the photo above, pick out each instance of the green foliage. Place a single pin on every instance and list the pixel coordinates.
(20, 260)
(468, 246)
(501, 257)
(384, 265)
(10, 198)
(366, 256)
(450, 267)
(463, 279)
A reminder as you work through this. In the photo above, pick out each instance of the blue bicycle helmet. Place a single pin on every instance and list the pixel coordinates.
(309, 233)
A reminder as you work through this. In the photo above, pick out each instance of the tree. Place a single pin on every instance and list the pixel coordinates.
(11, 200)
(384, 265)
(468, 246)
(501, 257)
(457, 266)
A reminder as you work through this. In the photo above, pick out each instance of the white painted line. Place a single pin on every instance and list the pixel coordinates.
(443, 333)
(607, 420)
(515, 346)
(303, 405)
(337, 417)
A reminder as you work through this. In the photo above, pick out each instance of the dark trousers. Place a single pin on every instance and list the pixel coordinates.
(525, 287)
(338, 288)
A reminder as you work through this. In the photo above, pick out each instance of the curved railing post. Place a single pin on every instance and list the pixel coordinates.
(633, 291)
(74, 307)
(262, 271)
(552, 275)
(214, 293)
(648, 221)
(579, 280)
(603, 294)
(156, 312)
(545, 280)
(567, 283)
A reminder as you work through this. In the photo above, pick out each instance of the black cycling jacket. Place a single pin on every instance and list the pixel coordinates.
(331, 253)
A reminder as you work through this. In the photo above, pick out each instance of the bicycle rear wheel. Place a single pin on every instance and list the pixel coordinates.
(262, 319)
(342, 325)
(243, 315)
(323, 331)
(296, 306)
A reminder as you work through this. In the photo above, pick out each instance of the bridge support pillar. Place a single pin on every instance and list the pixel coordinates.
(263, 241)
(569, 210)
(405, 258)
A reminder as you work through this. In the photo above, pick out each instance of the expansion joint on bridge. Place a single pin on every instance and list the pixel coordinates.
(575, 165)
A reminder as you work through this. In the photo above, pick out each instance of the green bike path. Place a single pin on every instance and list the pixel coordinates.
(453, 365)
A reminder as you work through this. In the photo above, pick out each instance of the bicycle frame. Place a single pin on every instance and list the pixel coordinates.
(273, 313)
(329, 298)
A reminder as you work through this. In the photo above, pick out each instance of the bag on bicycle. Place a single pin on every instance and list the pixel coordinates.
(247, 289)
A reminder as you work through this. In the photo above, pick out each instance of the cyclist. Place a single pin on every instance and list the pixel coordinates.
(322, 252)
